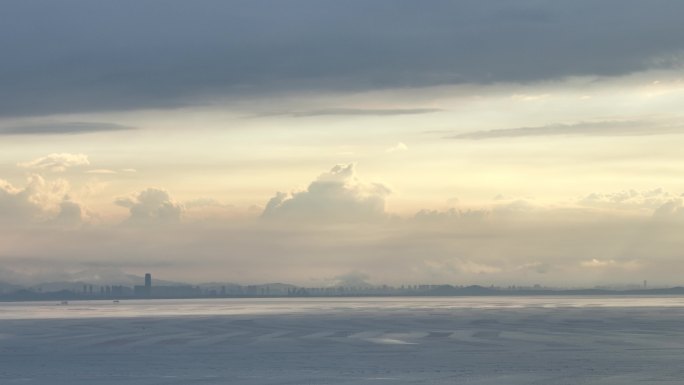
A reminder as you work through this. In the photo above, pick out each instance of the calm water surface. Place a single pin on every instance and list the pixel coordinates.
(588, 340)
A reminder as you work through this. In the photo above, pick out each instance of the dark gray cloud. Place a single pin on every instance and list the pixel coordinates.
(61, 128)
(80, 55)
(609, 128)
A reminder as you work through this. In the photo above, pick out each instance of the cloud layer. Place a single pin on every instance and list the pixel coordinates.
(338, 230)
(88, 56)
(608, 128)
(50, 128)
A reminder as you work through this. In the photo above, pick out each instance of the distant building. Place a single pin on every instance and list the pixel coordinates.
(185, 291)
(144, 291)
(118, 290)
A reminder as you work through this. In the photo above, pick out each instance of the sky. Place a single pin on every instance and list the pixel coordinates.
(320, 142)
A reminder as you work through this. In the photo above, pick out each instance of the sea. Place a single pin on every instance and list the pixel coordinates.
(392, 340)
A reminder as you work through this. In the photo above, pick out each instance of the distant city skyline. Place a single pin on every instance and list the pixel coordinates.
(167, 290)
(85, 283)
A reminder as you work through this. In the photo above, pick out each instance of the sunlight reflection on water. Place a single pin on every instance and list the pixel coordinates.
(235, 306)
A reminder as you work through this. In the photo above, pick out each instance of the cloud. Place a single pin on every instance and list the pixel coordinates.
(152, 204)
(358, 112)
(205, 203)
(47, 194)
(609, 263)
(57, 162)
(598, 263)
(70, 213)
(336, 195)
(208, 210)
(397, 147)
(556, 248)
(673, 208)
(470, 267)
(352, 279)
(102, 171)
(629, 199)
(426, 215)
(251, 48)
(606, 128)
(106, 171)
(16, 204)
(38, 201)
(515, 207)
(52, 128)
(339, 224)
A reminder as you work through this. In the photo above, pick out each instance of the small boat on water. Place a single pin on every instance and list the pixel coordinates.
(116, 301)
(64, 303)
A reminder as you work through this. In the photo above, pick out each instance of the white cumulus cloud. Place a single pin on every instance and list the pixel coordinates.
(152, 204)
(337, 195)
(39, 200)
(56, 162)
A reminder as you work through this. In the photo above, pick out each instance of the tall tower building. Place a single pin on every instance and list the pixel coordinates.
(144, 291)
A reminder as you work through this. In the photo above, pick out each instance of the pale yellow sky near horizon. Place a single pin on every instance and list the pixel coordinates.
(241, 154)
